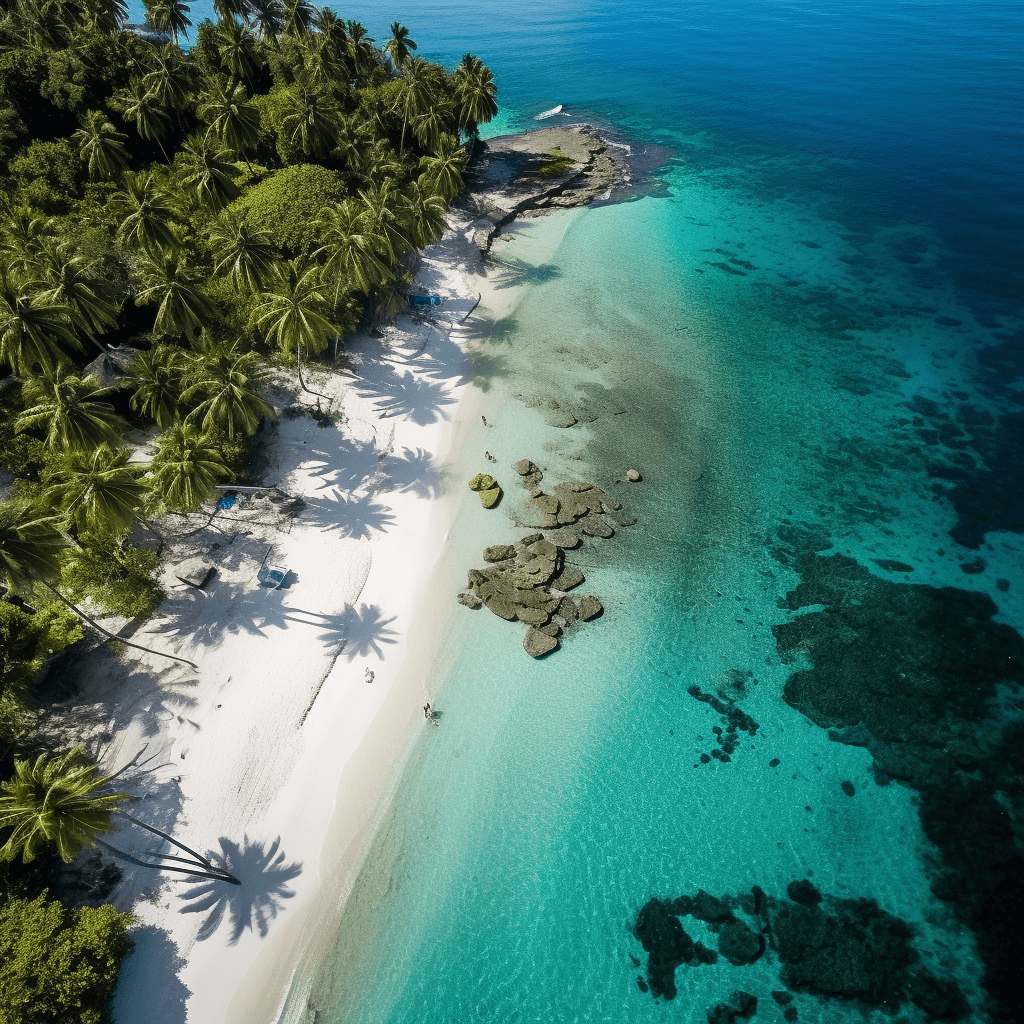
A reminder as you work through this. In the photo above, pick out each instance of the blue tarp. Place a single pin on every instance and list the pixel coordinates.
(424, 300)
(227, 501)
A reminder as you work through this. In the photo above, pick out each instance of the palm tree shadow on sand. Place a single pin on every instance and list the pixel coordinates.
(407, 396)
(251, 906)
(415, 473)
(365, 630)
(350, 517)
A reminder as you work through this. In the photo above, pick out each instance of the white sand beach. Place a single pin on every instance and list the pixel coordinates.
(278, 732)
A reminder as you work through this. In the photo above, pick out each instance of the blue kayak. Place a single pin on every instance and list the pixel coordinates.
(424, 300)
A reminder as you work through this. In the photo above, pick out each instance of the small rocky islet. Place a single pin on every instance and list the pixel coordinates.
(528, 581)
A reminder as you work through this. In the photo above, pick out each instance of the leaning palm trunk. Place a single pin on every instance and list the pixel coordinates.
(215, 874)
(302, 383)
(106, 632)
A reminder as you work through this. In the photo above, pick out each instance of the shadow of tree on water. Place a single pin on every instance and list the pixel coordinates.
(513, 272)
(366, 630)
(482, 329)
(253, 904)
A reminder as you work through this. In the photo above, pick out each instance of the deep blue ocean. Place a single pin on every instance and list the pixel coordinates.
(787, 759)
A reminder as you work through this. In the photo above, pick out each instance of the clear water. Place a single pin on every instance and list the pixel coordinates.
(813, 319)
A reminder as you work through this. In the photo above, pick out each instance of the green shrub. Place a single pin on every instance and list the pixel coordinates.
(556, 165)
(48, 175)
(58, 965)
(27, 640)
(121, 581)
(288, 203)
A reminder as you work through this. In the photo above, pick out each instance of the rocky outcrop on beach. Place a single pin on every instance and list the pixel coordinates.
(534, 173)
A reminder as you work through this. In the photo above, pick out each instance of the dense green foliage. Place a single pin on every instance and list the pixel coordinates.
(287, 206)
(58, 965)
(206, 210)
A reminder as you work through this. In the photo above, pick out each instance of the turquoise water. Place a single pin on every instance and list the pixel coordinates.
(806, 333)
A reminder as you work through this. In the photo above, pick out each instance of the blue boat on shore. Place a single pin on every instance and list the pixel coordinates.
(424, 300)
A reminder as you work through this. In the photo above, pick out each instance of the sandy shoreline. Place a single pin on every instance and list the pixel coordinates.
(276, 755)
(255, 747)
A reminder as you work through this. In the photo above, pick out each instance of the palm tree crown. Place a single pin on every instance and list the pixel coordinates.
(186, 466)
(228, 382)
(98, 492)
(294, 316)
(71, 410)
(399, 45)
(102, 146)
(54, 799)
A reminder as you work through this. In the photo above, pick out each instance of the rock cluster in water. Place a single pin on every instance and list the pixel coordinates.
(848, 949)
(487, 488)
(528, 582)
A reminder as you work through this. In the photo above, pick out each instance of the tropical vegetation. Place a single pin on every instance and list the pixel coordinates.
(206, 200)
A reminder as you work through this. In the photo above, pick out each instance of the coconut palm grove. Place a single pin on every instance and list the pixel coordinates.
(192, 205)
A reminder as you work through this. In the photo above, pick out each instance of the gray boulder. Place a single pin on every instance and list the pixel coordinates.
(499, 552)
(589, 607)
(470, 600)
(537, 644)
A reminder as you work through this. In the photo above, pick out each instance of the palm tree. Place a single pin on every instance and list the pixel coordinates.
(207, 173)
(247, 255)
(56, 799)
(423, 214)
(267, 18)
(433, 124)
(415, 93)
(183, 308)
(236, 47)
(444, 169)
(105, 15)
(358, 255)
(293, 316)
(29, 553)
(35, 331)
(21, 234)
(332, 28)
(169, 16)
(144, 109)
(158, 377)
(71, 410)
(298, 16)
(399, 45)
(99, 492)
(67, 280)
(323, 64)
(360, 47)
(312, 120)
(475, 89)
(186, 466)
(146, 212)
(382, 204)
(171, 78)
(228, 381)
(229, 10)
(101, 146)
(233, 119)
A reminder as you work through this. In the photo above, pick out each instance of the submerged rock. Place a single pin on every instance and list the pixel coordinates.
(537, 643)
(499, 552)
(633, 476)
(524, 467)
(565, 537)
(739, 945)
(470, 600)
(489, 497)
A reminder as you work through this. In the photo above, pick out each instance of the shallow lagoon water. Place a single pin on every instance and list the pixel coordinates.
(809, 319)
